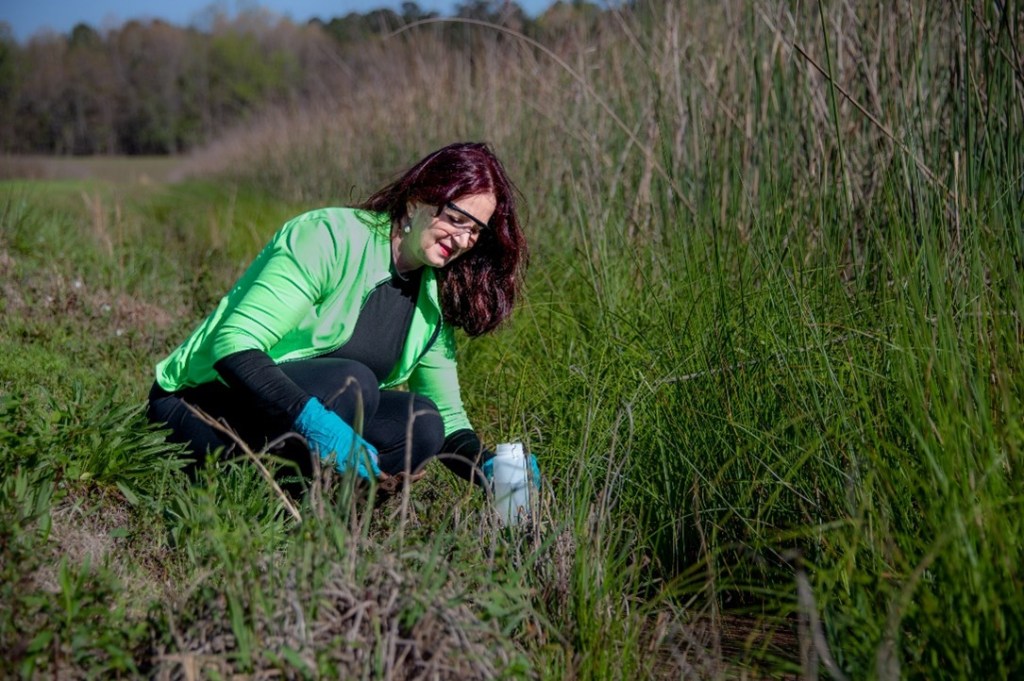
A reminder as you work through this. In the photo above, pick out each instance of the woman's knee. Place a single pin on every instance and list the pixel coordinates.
(357, 385)
(170, 411)
(407, 432)
(348, 387)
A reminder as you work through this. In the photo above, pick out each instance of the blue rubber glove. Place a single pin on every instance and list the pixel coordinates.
(534, 470)
(328, 434)
(488, 469)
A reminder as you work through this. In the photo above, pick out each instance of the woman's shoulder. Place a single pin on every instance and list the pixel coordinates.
(324, 239)
(343, 217)
(339, 224)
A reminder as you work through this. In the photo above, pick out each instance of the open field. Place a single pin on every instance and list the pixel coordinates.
(770, 359)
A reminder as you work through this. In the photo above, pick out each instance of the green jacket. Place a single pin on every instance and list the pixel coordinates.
(301, 297)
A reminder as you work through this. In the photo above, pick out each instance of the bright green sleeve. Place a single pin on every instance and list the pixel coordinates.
(285, 282)
(436, 377)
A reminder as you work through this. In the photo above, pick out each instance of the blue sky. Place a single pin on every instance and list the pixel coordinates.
(26, 17)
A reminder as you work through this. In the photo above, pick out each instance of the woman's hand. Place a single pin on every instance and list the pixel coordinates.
(531, 461)
(328, 434)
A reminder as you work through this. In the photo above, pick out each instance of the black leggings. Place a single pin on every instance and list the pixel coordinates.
(406, 428)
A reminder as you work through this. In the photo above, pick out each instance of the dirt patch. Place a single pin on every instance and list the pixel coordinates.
(6, 264)
(63, 296)
(84, 528)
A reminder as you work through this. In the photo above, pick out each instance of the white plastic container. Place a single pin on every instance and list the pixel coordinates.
(511, 483)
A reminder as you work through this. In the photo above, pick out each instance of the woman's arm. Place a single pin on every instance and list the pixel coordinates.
(283, 284)
(256, 376)
(470, 455)
(281, 287)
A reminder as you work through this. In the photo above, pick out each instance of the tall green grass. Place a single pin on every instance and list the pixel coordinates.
(770, 357)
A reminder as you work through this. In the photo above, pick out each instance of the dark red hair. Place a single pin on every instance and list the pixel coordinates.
(479, 289)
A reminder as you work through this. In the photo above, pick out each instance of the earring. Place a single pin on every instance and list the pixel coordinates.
(407, 227)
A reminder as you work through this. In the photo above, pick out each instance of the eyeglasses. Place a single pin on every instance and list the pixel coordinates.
(459, 221)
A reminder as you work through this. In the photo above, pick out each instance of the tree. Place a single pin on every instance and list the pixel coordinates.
(503, 13)
(411, 12)
(39, 115)
(354, 28)
(9, 85)
(88, 94)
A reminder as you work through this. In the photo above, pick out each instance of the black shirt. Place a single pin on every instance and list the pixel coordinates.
(383, 324)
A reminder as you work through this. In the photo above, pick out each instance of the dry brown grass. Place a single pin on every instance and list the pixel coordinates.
(642, 114)
(357, 625)
(144, 170)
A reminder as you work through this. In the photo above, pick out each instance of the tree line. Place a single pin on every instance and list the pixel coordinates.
(156, 88)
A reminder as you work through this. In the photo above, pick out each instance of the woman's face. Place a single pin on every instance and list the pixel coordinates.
(438, 238)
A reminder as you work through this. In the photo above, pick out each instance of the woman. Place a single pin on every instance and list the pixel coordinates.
(344, 305)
